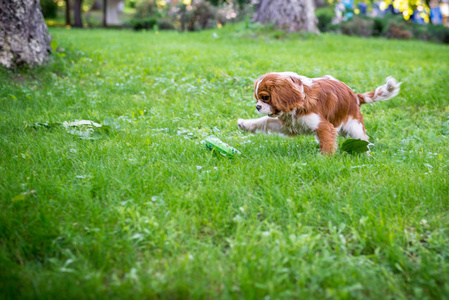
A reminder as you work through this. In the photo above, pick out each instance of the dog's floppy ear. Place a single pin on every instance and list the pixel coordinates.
(287, 93)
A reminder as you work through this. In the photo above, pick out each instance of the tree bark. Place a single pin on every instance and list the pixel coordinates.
(321, 3)
(77, 12)
(105, 13)
(289, 15)
(24, 37)
(68, 18)
(97, 5)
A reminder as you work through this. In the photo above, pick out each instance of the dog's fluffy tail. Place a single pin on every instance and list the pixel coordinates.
(384, 92)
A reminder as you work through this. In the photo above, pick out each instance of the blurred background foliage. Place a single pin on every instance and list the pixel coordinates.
(398, 19)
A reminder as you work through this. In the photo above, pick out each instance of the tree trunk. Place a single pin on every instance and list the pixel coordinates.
(24, 37)
(321, 3)
(289, 15)
(105, 14)
(68, 19)
(77, 12)
(97, 5)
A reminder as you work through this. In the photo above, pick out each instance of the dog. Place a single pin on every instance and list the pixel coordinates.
(322, 106)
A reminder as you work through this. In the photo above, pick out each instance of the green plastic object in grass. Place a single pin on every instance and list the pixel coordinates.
(215, 144)
(353, 146)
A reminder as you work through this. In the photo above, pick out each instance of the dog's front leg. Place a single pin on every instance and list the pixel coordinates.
(264, 124)
(327, 136)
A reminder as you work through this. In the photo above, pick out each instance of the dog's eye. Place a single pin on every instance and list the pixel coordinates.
(265, 98)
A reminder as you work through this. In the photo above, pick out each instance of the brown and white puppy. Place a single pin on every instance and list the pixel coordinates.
(322, 106)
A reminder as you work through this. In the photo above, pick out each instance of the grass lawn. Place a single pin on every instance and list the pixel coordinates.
(145, 211)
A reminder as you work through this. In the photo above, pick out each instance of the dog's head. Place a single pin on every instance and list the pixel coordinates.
(278, 93)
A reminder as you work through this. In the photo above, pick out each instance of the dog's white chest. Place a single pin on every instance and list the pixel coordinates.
(301, 125)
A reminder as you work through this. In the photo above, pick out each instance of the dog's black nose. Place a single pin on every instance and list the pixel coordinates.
(258, 107)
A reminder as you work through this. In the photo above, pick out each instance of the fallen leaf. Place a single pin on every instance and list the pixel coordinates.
(353, 146)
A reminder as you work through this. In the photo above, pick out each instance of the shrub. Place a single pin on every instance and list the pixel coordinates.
(145, 23)
(165, 24)
(231, 12)
(325, 16)
(200, 15)
(204, 13)
(394, 26)
(440, 33)
(420, 32)
(358, 26)
(196, 17)
(49, 8)
(187, 18)
(146, 16)
(146, 9)
(395, 31)
(429, 32)
(381, 25)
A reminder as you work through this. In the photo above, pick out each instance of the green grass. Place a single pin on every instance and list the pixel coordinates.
(146, 211)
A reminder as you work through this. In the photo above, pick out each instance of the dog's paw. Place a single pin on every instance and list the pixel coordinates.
(244, 124)
(240, 123)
